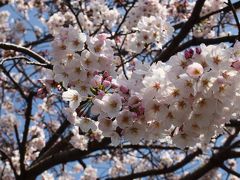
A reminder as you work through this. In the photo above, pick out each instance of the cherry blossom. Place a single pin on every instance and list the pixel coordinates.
(119, 89)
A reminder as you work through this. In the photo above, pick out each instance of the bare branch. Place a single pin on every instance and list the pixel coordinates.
(37, 57)
(198, 41)
(28, 114)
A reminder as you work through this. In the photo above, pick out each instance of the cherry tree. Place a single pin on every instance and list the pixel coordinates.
(123, 89)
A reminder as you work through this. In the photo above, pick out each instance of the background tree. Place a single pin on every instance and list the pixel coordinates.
(79, 98)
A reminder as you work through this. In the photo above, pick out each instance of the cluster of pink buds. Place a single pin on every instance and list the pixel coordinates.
(190, 52)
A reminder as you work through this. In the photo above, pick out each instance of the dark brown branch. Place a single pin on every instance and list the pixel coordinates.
(3, 4)
(132, 146)
(122, 62)
(45, 39)
(198, 41)
(20, 90)
(230, 139)
(53, 139)
(14, 58)
(4, 155)
(228, 170)
(226, 9)
(17, 136)
(216, 160)
(68, 3)
(64, 157)
(169, 51)
(154, 172)
(63, 144)
(28, 114)
(234, 123)
(124, 19)
(234, 154)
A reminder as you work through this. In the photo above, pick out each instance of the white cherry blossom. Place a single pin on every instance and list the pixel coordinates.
(112, 104)
(73, 97)
(86, 124)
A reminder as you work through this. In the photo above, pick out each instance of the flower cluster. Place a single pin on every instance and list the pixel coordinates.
(97, 14)
(205, 92)
(151, 30)
(147, 19)
(180, 10)
(4, 26)
(99, 86)
(145, 8)
(188, 98)
(79, 67)
(57, 20)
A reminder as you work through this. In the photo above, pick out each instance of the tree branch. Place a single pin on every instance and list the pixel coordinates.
(10, 162)
(154, 172)
(198, 41)
(169, 51)
(45, 39)
(215, 161)
(53, 139)
(235, 15)
(228, 170)
(37, 57)
(20, 90)
(28, 114)
(64, 157)
(226, 9)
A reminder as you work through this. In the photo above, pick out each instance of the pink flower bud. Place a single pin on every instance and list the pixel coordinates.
(95, 73)
(124, 89)
(188, 53)
(41, 92)
(141, 110)
(117, 39)
(134, 115)
(236, 65)
(109, 78)
(106, 83)
(105, 74)
(198, 50)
